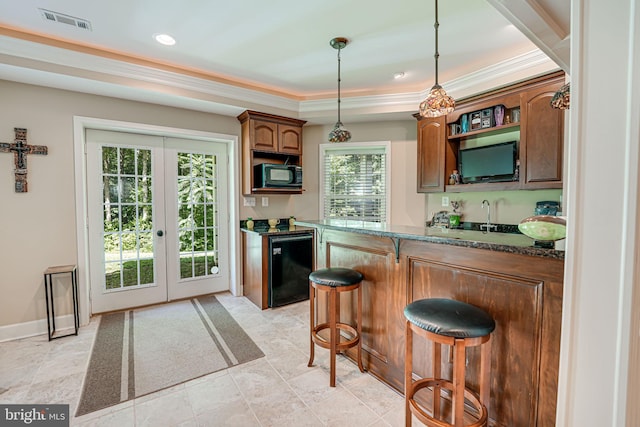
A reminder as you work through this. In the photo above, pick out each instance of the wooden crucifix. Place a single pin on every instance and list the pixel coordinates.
(20, 150)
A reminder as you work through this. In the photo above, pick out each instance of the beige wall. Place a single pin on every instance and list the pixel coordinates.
(38, 228)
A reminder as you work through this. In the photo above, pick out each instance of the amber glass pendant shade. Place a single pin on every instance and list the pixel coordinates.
(437, 103)
(339, 133)
(562, 98)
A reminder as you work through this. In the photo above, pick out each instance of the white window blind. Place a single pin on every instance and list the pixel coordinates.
(355, 182)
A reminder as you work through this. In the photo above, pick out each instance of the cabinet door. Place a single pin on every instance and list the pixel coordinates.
(255, 249)
(431, 155)
(265, 136)
(541, 138)
(290, 139)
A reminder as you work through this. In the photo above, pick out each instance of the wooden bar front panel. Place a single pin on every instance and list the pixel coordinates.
(522, 293)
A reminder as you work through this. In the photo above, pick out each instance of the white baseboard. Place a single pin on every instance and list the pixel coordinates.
(33, 328)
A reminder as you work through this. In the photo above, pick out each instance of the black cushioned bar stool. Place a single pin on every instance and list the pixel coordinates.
(459, 325)
(334, 281)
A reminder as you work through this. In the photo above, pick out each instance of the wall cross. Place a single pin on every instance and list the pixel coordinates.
(20, 149)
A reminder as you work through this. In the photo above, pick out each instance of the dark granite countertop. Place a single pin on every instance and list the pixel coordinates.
(503, 242)
(264, 229)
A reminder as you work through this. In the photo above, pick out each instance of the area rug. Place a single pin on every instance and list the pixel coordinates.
(141, 351)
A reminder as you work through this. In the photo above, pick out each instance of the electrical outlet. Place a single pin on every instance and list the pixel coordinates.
(249, 201)
(445, 201)
(265, 202)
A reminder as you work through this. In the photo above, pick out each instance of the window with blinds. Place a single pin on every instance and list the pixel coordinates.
(354, 181)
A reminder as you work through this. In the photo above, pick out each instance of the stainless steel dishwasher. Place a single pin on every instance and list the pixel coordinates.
(290, 263)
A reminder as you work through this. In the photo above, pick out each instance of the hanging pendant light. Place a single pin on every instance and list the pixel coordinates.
(339, 133)
(562, 98)
(437, 103)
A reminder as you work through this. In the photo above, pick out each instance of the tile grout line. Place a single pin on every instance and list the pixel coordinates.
(244, 397)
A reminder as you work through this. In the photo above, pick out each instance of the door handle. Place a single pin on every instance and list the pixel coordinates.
(160, 233)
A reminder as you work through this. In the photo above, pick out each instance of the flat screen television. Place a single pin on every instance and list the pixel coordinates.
(490, 163)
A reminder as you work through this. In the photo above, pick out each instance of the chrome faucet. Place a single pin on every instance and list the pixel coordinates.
(488, 226)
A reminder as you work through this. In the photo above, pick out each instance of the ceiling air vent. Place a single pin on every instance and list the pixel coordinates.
(65, 19)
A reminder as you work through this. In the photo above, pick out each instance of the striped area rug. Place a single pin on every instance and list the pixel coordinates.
(141, 351)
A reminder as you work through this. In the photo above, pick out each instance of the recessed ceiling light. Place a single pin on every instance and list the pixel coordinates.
(164, 39)
(398, 75)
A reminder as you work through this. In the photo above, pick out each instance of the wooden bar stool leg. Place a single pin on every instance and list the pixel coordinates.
(437, 370)
(312, 321)
(408, 369)
(459, 363)
(359, 328)
(485, 379)
(334, 334)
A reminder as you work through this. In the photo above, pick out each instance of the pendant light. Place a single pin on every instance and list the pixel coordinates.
(437, 103)
(339, 133)
(562, 98)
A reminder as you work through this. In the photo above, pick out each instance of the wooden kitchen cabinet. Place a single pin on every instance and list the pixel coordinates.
(290, 139)
(255, 268)
(541, 138)
(273, 137)
(432, 158)
(267, 138)
(263, 136)
(540, 132)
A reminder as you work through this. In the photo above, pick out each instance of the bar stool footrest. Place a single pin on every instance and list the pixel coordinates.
(342, 345)
(429, 420)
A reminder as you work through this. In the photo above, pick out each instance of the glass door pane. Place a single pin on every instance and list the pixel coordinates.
(126, 212)
(197, 221)
(128, 217)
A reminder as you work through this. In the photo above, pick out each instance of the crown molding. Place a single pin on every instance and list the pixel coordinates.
(522, 67)
(67, 63)
(51, 66)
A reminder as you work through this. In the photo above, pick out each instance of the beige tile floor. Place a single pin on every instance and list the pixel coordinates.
(277, 390)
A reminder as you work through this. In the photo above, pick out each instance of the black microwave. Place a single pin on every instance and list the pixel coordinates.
(269, 175)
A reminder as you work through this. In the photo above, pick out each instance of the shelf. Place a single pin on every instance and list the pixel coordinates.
(483, 186)
(495, 129)
(272, 190)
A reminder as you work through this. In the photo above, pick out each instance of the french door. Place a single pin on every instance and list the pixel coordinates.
(157, 215)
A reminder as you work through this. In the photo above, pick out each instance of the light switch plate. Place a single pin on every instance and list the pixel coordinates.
(265, 202)
(445, 201)
(249, 201)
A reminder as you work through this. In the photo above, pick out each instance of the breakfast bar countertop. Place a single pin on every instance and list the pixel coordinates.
(494, 241)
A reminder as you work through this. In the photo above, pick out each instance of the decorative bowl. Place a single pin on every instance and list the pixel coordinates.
(544, 227)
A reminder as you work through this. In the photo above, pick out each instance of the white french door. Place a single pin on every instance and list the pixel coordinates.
(157, 215)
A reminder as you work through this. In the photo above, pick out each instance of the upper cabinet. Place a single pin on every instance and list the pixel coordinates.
(432, 143)
(525, 116)
(267, 138)
(290, 139)
(273, 136)
(541, 138)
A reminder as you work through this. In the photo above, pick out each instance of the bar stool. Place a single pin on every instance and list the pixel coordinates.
(459, 325)
(334, 281)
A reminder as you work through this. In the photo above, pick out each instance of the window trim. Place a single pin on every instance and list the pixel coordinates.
(354, 147)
